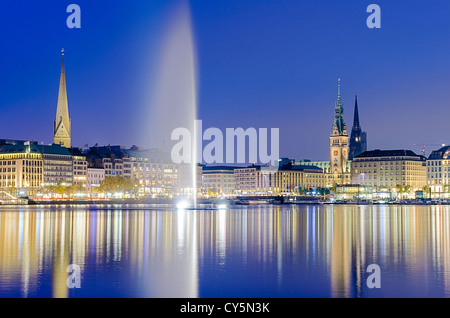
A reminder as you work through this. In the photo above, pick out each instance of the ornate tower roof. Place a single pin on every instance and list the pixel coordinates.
(62, 121)
(339, 127)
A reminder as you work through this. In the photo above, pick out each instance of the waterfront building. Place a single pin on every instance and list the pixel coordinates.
(154, 170)
(358, 138)
(291, 179)
(218, 180)
(79, 169)
(438, 173)
(95, 176)
(58, 165)
(185, 181)
(62, 124)
(21, 168)
(246, 179)
(390, 169)
(339, 145)
(114, 159)
(34, 166)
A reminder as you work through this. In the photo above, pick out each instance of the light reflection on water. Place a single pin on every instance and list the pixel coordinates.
(252, 251)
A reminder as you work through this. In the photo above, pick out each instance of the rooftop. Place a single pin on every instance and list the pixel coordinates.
(443, 153)
(298, 167)
(77, 152)
(20, 148)
(54, 150)
(218, 168)
(388, 153)
(34, 148)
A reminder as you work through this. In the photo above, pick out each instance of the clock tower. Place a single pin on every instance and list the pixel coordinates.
(61, 128)
(338, 143)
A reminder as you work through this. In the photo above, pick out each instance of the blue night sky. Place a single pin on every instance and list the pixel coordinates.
(262, 64)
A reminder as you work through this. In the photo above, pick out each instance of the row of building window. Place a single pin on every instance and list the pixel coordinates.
(7, 163)
(437, 169)
(433, 163)
(437, 175)
(8, 169)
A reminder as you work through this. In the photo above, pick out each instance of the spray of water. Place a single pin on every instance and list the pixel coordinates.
(174, 97)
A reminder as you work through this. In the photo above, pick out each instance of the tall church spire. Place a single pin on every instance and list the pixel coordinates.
(61, 129)
(358, 138)
(356, 114)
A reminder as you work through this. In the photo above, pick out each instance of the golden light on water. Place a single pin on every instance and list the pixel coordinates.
(164, 253)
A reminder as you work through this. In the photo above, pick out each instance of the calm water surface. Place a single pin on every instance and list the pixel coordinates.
(250, 251)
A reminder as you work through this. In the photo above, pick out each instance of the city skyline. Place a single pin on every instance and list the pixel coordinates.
(237, 86)
(226, 154)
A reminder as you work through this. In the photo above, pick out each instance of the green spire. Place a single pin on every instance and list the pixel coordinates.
(339, 111)
(339, 88)
(339, 101)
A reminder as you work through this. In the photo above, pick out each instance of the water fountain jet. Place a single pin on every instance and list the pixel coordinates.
(174, 98)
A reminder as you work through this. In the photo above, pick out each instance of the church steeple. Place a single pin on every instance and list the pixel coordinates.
(61, 129)
(338, 143)
(358, 138)
(356, 114)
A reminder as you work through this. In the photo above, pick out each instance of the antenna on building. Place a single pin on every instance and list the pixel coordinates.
(423, 147)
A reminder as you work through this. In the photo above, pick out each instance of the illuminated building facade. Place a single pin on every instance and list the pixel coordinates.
(154, 170)
(95, 176)
(292, 179)
(438, 172)
(21, 168)
(58, 165)
(114, 159)
(79, 169)
(33, 166)
(246, 179)
(389, 168)
(289, 178)
(218, 180)
(185, 182)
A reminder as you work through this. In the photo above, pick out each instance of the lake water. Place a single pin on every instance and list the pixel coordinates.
(249, 251)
